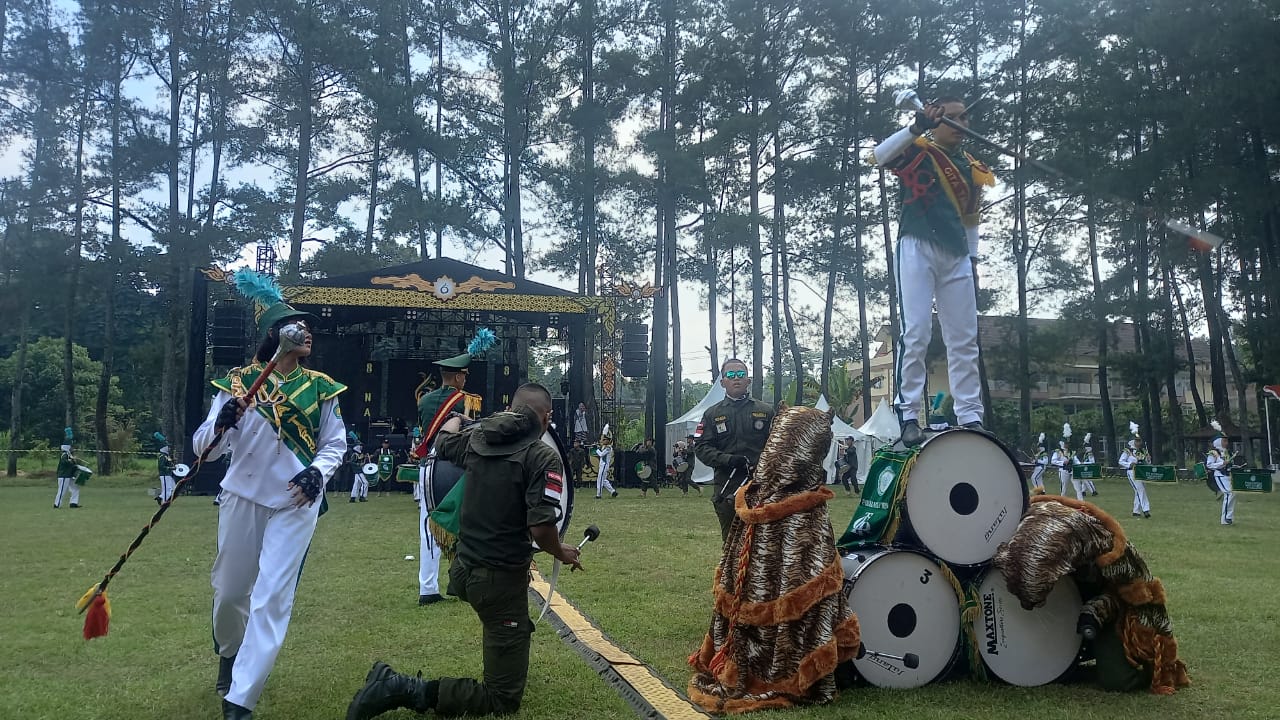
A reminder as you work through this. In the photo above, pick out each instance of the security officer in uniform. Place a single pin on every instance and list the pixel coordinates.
(731, 436)
(512, 496)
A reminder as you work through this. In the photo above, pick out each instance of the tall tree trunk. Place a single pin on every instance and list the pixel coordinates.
(1171, 359)
(73, 274)
(756, 253)
(712, 278)
(176, 309)
(15, 395)
(440, 21)
(1102, 335)
(1202, 416)
(375, 169)
(586, 233)
(302, 162)
(886, 227)
(409, 119)
(1022, 244)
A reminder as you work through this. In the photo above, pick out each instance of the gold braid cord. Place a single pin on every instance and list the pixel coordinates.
(1060, 536)
(781, 622)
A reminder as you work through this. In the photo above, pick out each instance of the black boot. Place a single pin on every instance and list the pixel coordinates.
(385, 689)
(232, 711)
(223, 686)
(911, 434)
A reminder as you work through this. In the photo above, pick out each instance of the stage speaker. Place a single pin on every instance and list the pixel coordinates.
(635, 350)
(227, 341)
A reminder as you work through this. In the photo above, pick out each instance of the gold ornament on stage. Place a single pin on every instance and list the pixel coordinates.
(444, 287)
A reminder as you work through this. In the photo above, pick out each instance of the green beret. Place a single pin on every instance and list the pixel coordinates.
(457, 362)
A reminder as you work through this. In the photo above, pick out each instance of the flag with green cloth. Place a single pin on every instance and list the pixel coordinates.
(878, 513)
(442, 522)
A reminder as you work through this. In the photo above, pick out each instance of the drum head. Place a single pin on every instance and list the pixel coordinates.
(682, 467)
(181, 470)
(965, 496)
(370, 469)
(643, 471)
(1027, 647)
(904, 605)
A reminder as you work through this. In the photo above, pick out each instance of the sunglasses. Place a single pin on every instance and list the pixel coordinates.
(735, 374)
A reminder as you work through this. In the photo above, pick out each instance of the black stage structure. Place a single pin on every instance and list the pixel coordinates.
(380, 330)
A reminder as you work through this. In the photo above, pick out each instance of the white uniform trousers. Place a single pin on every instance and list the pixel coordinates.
(360, 486)
(1088, 486)
(428, 550)
(66, 485)
(1228, 497)
(1140, 502)
(1037, 477)
(926, 272)
(1064, 476)
(602, 480)
(166, 488)
(255, 576)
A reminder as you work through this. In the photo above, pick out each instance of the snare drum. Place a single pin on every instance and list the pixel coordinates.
(904, 605)
(440, 477)
(407, 473)
(1027, 647)
(83, 474)
(965, 495)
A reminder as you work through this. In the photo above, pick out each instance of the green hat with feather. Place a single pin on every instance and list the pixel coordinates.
(269, 305)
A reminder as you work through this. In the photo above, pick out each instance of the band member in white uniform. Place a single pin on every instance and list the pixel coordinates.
(936, 258)
(1062, 460)
(285, 442)
(605, 453)
(1133, 456)
(1041, 462)
(1085, 457)
(1215, 461)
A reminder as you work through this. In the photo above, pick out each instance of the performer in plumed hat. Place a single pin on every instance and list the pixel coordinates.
(1062, 460)
(1084, 456)
(435, 409)
(1215, 462)
(1135, 454)
(164, 467)
(288, 438)
(68, 465)
(1041, 462)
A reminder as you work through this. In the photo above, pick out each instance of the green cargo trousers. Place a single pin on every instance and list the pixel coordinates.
(725, 512)
(501, 600)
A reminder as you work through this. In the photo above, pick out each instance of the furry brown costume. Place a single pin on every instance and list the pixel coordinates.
(781, 621)
(1059, 536)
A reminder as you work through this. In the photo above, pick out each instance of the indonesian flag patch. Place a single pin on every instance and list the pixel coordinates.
(698, 433)
(554, 487)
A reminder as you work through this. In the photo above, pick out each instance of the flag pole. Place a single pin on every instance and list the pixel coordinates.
(1271, 461)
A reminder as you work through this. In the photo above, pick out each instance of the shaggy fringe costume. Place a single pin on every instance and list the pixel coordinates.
(781, 622)
(1060, 536)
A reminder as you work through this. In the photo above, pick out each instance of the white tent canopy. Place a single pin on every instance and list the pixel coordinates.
(686, 424)
(880, 429)
(839, 430)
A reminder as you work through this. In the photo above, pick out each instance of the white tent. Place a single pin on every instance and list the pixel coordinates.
(686, 424)
(839, 430)
(880, 429)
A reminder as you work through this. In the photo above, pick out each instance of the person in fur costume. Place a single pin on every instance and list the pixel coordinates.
(1134, 638)
(781, 622)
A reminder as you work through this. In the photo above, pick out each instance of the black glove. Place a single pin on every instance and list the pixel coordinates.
(923, 123)
(310, 480)
(740, 462)
(228, 416)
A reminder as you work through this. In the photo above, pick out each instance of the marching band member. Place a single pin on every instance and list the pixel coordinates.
(937, 258)
(284, 442)
(1215, 461)
(605, 453)
(68, 465)
(164, 466)
(1085, 457)
(1041, 462)
(1062, 460)
(1132, 456)
(435, 409)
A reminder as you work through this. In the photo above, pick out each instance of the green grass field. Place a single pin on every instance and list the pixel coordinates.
(647, 585)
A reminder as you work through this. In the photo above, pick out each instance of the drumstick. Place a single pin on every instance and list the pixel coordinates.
(910, 661)
(291, 337)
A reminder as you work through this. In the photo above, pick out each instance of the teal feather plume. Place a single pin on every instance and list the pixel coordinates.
(483, 340)
(258, 287)
(159, 437)
(68, 434)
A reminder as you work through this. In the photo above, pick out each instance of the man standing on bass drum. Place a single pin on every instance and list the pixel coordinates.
(936, 258)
